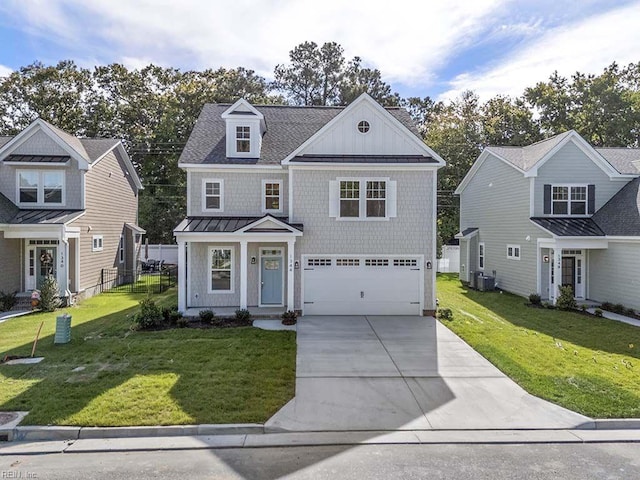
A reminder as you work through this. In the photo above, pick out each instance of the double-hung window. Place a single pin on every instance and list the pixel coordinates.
(569, 199)
(221, 269)
(481, 255)
(212, 195)
(243, 139)
(271, 196)
(121, 249)
(364, 198)
(40, 187)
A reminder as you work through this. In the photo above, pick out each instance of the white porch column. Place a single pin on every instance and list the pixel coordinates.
(243, 274)
(290, 270)
(557, 273)
(182, 276)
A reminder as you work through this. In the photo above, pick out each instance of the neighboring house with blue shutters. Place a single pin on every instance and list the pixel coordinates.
(68, 208)
(558, 212)
(327, 210)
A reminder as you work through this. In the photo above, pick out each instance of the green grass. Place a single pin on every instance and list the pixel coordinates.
(587, 364)
(169, 377)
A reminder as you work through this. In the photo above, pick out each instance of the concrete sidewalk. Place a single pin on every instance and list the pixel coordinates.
(408, 437)
(404, 373)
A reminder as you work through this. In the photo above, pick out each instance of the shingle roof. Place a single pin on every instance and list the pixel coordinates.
(621, 214)
(72, 141)
(624, 160)
(466, 232)
(288, 127)
(222, 224)
(526, 157)
(97, 147)
(570, 227)
(7, 209)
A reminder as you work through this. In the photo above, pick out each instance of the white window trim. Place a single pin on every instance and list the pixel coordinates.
(569, 214)
(210, 267)
(236, 139)
(482, 253)
(100, 243)
(513, 255)
(204, 194)
(264, 196)
(121, 249)
(40, 194)
(363, 199)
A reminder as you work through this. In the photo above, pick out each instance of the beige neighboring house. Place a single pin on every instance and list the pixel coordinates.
(325, 210)
(68, 208)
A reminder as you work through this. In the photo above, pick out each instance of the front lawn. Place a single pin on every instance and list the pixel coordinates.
(110, 375)
(586, 364)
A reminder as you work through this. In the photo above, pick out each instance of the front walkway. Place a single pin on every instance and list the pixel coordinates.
(403, 373)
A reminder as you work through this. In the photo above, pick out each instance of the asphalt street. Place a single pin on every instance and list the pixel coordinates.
(609, 461)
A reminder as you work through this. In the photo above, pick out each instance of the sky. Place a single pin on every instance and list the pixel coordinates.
(435, 48)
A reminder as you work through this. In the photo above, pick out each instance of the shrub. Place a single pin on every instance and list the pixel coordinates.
(535, 299)
(444, 314)
(49, 294)
(182, 322)
(607, 306)
(207, 316)
(171, 315)
(583, 307)
(7, 301)
(565, 300)
(149, 316)
(597, 312)
(619, 309)
(290, 317)
(243, 315)
(630, 312)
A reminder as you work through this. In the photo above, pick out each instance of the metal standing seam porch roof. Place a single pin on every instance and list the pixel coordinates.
(44, 217)
(570, 227)
(384, 159)
(226, 224)
(38, 158)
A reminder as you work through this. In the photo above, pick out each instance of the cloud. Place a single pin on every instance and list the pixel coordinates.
(407, 41)
(5, 71)
(586, 46)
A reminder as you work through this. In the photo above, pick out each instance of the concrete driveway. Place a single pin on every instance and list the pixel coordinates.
(403, 373)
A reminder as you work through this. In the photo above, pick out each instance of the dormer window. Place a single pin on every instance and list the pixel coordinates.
(243, 139)
(40, 187)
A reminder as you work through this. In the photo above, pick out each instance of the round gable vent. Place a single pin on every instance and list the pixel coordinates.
(363, 126)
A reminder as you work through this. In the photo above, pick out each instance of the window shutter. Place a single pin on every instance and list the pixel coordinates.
(592, 199)
(334, 198)
(392, 199)
(547, 199)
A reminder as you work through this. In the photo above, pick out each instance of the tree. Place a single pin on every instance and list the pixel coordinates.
(358, 80)
(508, 122)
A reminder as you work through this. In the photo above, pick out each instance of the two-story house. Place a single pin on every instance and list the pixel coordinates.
(68, 208)
(558, 212)
(327, 210)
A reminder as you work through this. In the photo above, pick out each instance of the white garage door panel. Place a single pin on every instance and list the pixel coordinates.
(362, 290)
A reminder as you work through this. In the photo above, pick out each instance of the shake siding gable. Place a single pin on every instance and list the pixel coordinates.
(40, 144)
(570, 165)
(111, 201)
(496, 201)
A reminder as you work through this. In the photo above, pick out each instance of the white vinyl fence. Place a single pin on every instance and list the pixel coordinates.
(168, 253)
(450, 261)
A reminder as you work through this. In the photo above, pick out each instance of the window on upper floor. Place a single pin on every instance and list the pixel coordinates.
(243, 139)
(40, 187)
(271, 196)
(212, 195)
(569, 199)
(362, 199)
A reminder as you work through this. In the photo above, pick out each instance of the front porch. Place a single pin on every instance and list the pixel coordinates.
(231, 263)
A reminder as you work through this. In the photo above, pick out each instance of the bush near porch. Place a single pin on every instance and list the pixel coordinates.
(587, 364)
(111, 375)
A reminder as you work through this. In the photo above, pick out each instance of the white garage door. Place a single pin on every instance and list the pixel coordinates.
(362, 285)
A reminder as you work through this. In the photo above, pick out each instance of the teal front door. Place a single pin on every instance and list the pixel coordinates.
(271, 281)
(46, 264)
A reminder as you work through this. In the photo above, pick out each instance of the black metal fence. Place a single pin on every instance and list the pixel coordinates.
(113, 280)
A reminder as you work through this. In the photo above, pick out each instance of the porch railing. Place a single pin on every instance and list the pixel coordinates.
(114, 280)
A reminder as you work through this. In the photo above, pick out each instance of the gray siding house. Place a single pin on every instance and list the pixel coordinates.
(68, 208)
(324, 210)
(558, 212)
